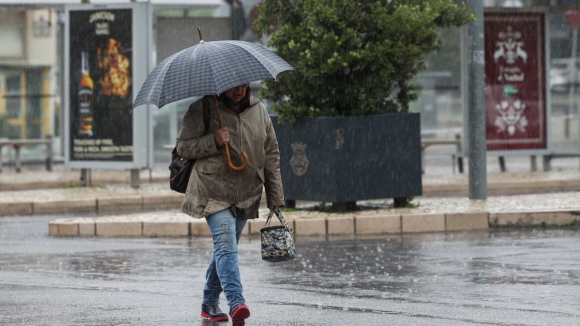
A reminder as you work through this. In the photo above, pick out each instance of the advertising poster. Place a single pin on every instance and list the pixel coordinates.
(100, 85)
(515, 81)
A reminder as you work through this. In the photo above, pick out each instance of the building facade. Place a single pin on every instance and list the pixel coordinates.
(28, 67)
(31, 55)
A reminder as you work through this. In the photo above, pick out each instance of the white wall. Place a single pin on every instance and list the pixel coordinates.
(12, 34)
(41, 37)
(27, 37)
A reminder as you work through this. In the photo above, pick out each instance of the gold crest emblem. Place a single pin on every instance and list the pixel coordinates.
(299, 162)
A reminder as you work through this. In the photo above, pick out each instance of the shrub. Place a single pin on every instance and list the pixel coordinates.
(352, 57)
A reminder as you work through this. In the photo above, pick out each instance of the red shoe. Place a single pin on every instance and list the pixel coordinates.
(239, 314)
(213, 313)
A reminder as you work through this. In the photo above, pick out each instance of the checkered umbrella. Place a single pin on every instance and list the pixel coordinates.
(208, 68)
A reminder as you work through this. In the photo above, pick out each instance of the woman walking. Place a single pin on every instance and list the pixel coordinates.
(224, 197)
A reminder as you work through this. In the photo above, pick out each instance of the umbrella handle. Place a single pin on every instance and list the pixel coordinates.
(228, 158)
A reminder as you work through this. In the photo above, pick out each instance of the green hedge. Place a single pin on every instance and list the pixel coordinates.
(352, 57)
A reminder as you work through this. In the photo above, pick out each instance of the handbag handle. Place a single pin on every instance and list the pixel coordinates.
(280, 218)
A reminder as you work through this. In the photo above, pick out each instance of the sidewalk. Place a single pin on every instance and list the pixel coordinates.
(112, 208)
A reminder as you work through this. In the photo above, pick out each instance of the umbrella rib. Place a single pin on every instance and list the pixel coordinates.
(255, 53)
(269, 67)
(166, 68)
(211, 67)
(162, 74)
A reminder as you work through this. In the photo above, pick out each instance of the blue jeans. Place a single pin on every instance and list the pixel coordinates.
(223, 272)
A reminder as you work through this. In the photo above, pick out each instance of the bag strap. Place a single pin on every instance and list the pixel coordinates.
(280, 218)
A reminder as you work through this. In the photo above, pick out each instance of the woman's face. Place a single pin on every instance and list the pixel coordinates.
(237, 93)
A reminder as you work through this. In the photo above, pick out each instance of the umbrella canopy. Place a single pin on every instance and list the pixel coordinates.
(208, 68)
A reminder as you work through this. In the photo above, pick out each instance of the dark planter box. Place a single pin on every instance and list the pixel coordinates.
(351, 158)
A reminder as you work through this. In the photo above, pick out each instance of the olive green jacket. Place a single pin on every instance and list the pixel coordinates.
(213, 186)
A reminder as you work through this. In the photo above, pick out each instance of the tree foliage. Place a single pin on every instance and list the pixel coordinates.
(352, 57)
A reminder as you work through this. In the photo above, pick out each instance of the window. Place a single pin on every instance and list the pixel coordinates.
(13, 95)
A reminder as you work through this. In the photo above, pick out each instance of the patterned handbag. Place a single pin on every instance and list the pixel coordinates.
(277, 241)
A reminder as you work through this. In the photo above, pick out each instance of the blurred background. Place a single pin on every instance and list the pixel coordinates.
(31, 66)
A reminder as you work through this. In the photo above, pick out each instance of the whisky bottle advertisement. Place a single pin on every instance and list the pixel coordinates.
(101, 68)
(86, 99)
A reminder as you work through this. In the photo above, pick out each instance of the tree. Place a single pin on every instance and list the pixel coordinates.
(352, 57)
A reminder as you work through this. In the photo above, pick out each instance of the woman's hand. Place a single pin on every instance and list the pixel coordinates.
(222, 136)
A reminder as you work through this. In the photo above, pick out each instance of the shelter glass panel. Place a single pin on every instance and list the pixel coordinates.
(34, 98)
(13, 95)
(564, 78)
(439, 90)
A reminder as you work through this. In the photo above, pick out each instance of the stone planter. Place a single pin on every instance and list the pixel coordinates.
(342, 160)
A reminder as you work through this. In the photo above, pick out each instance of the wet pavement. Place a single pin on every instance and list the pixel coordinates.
(506, 277)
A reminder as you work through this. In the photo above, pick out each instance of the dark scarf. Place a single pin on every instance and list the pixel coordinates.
(239, 107)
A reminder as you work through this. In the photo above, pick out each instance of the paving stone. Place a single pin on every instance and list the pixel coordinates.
(534, 218)
(468, 221)
(255, 225)
(564, 217)
(378, 224)
(199, 228)
(68, 229)
(87, 228)
(513, 218)
(423, 223)
(307, 227)
(340, 225)
(570, 185)
(119, 204)
(523, 187)
(66, 206)
(165, 229)
(246, 230)
(119, 229)
(444, 190)
(162, 202)
(53, 228)
(9, 209)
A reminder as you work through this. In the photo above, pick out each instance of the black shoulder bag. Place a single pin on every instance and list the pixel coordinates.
(180, 168)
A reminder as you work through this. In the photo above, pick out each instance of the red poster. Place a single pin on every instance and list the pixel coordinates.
(515, 81)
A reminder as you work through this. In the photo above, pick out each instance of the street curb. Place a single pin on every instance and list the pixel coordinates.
(151, 202)
(185, 226)
(524, 187)
(495, 188)
(9, 209)
(76, 182)
(94, 205)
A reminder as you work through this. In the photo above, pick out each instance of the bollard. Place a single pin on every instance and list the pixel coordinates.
(17, 157)
(501, 163)
(534, 163)
(547, 162)
(49, 154)
(459, 154)
(86, 178)
(134, 178)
